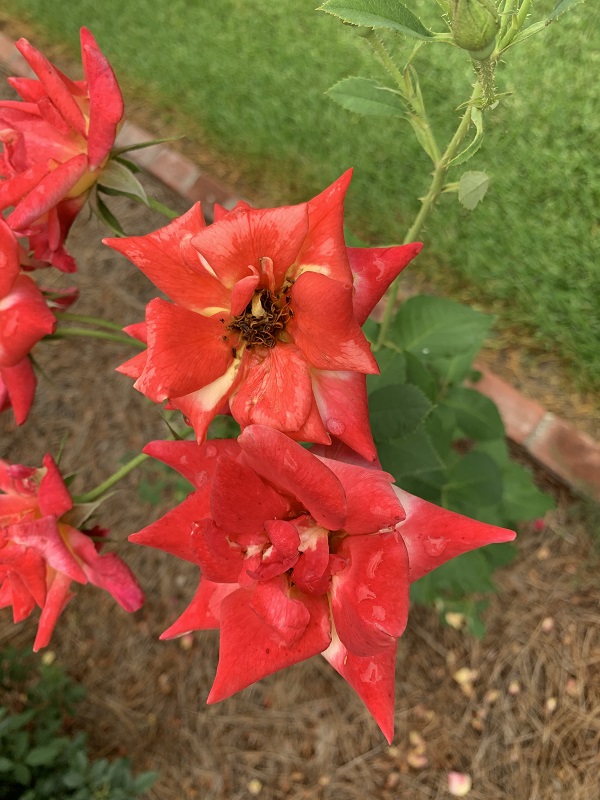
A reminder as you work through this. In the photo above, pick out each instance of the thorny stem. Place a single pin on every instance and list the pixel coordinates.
(63, 333)
(427, 203)
(94, 494)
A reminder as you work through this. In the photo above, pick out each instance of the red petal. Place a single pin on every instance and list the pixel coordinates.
(369, 598)
(204, 612)
(287, 617)
(42, 536)
(29, 566)
(283, 536)
(196, 462)
(24, 320)
(21, 600)
(250, 649)
(341, 398)
(240, 501)
(172, 533)
(20, 385)
(289, 466)
(242, 292)
(13, 190)
(219, 558)
(107, 571)
(9, 258)
(311, 573)
(275, 389)
(48, 192)
(57, 598)
(243, 237)
(201, 407)
(160, 257)
(185, 351)
(30, 89)
(374, 269)
(324, 250)
(434, 535)
(370, 499)
(106, 101)
(371, 677)
(53, 496)
(58, 93)
(324, 327)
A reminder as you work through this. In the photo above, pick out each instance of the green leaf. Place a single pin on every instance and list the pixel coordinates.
(420, 375)
(414, 455)
(144, 782)
(140, 145)
(45, 754)
(441, 427)
(101, 210)
(5, 764)
(117, 177)
(560, 7)
(442, 334)
(364, 96)
(472, 188)
(396, 411)
(389, 14)
(474, 483)
(371, 330)
(392, 370)
(522, 500)
(477, 415)
(473, 147)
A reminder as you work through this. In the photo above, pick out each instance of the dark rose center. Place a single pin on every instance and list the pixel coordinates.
(263, 321)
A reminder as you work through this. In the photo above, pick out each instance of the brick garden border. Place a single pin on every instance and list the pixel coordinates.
(567, 453)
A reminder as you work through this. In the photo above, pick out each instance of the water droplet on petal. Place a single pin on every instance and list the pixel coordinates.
(200, 478)
(335, 426)
(434, 545)
(210, 451)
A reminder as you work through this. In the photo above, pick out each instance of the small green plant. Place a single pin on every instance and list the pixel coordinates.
(39, 758)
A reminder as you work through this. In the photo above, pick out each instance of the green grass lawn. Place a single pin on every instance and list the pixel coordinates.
(251, 75)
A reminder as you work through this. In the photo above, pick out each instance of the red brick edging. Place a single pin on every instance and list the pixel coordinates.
(571, 455)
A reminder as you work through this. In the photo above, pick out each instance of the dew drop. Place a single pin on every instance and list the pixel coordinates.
(434, 545)
(425, 351)
(336, 427)
(200, 478)
(211, 451)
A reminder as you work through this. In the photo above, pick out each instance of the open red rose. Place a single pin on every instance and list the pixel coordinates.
(56, 143)
(265, 320)
(42, 552)
(302, 554)
(24, 319)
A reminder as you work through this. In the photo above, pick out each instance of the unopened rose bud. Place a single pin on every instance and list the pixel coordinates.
(474, 24)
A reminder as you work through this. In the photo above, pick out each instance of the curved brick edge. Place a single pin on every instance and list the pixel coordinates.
(573, 456)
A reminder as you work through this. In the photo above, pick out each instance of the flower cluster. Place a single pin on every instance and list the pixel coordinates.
(42, 550)
(302, 550)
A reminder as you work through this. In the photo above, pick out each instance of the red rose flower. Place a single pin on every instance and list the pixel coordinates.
(265, 320)
(302, 554)
(56, 143)
(42, 552)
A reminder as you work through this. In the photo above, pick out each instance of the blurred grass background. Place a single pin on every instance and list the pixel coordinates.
(248, 78)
